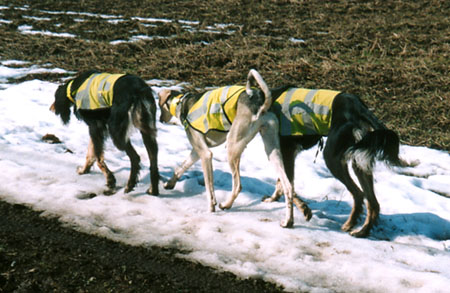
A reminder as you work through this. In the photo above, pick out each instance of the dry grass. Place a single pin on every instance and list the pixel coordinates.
(395, 55)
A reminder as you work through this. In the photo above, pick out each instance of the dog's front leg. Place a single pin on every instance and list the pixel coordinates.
(90, 160)
(193, 157)
(206, 158)
(235, 148)
(110, 179)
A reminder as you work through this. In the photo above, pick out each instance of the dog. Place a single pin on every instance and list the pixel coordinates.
(112, 103)
(354, 136)
(238, 114)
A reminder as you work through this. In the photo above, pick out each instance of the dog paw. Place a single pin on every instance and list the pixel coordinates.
(360, 233)
(347, 227)
(307, 213)
(265, 198)
(152, 191)
(128, 189)
(130, 185)
(111, 181)
(224, 207)
(287, 223)
(82, 170)
(169, 185)
(268, 199)
(110, 191)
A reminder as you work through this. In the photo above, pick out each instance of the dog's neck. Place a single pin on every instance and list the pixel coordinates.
(175, 105)
(69, 92)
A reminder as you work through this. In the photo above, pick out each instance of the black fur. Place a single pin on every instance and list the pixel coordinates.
(354, 129)
(131, 95)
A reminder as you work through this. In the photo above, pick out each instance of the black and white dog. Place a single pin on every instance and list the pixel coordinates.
(355, 136)
(112, 103)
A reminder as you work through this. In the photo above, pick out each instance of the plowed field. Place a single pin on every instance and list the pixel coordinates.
(394, 54)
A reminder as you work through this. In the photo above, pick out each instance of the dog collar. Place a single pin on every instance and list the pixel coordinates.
(174, 103)
(69, 92)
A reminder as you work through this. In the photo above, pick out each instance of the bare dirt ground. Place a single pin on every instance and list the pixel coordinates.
(394, 54)
(39, 255)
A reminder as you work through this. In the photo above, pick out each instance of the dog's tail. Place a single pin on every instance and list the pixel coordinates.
(254, 75)
(381, 144)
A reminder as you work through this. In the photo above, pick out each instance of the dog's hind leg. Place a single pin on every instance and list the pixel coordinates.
(234, 149)
(241, 133)
(288, 152)
(193, 157)
(119, 125)
(90, 160)
(274, 156)
(373, 207)
(152, 151)
(143, 117)
(334, 154)
(135, 160)
(340, 171)
(269, 134)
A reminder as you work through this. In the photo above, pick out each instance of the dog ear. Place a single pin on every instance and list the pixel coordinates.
(52, 108)
(62, 104)
(164, 95)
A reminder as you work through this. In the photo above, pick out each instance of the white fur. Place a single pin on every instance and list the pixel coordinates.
(362, 158)
(130, 128)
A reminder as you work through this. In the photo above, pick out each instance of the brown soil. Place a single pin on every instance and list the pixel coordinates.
(394, 54)
(37, 254)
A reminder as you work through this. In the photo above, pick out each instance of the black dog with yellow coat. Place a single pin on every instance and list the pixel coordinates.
(112, 104)
(354, 137)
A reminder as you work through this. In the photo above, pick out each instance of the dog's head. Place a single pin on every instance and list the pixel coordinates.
(167, 103)
(62, 104)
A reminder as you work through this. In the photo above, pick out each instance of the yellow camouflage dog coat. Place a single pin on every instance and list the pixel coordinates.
(304, 111)
(216, 109)
(95, 92)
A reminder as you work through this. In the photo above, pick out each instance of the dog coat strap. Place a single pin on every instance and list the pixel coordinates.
(173, 105)
(230, 104)
(319, 149)
(69, 92)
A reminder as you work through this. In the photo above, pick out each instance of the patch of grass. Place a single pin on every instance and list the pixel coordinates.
(394, 55)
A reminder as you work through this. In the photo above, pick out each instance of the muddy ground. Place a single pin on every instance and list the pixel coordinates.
(39, 255)
(394, 54)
